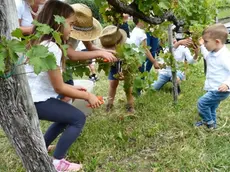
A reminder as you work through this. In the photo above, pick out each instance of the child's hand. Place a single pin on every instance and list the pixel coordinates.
(185, 42)
(223, 88)
(93, 101)
(111, 51)
(201, 41)
(120, 76)
(108, 56)
(156, 65)
(162, 65)
(196, 49)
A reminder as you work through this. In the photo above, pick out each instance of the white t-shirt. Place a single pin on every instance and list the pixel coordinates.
(181, 53)
(40, 85)
(137, 36)
(24, 14)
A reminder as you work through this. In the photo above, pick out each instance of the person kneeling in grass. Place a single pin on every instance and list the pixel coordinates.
(181, 54)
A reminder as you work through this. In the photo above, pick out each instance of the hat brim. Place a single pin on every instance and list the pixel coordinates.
(122, 41)
(88, 35)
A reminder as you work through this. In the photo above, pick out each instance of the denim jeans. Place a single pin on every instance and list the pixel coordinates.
(163, 79)
(208, 103)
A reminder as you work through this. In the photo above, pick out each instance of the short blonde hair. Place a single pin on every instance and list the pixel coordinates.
(217, 31)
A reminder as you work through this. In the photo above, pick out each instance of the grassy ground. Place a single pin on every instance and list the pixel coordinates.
(159, 137)
(223, 13)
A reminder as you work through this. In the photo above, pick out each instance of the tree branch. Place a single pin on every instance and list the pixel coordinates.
(131, 10)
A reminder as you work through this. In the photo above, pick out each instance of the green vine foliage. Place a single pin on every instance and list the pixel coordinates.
(132, 58)
(16, 51)
(196, 14)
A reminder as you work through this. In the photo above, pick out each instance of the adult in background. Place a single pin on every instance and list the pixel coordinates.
(27, 11)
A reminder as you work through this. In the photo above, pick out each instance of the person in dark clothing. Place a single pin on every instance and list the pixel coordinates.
(125, 25)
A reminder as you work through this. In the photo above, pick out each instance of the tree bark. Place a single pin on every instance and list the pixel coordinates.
(18, 117)
(132, 10)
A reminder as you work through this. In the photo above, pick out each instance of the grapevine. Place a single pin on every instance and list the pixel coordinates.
(16, 51)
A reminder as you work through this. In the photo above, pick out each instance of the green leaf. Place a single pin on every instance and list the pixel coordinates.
(44, 29)
(13, 55)
(57, 37)
(17, 33)
(37, 51)
(164, 5)
(17, 46)
(41, 59)
(64, 49)
(60, 20)
(43, 64)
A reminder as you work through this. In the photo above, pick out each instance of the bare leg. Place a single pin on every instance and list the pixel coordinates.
(130, 101)
(112, 90)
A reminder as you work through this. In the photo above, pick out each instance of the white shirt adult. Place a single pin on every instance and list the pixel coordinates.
(218, 68)
(181, 53)
(137, 36)
(24, 13)
(40, 85)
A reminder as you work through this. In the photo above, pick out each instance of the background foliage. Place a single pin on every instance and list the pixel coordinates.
(91, 4)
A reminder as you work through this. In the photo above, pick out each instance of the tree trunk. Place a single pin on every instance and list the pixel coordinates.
(18, 117)
(174, 77)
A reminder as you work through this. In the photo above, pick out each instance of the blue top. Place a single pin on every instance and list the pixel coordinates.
(125, 27)
(153, 43)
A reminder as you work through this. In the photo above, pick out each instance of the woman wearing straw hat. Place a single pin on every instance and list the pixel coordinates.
(112, 36)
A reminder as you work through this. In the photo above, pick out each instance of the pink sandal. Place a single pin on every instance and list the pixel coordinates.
(65, 166)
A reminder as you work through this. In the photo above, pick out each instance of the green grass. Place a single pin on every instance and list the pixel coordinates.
(223, 13)
(159, 137)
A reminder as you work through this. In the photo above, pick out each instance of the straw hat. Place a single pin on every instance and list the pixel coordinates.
(86, 28)
(111, 36)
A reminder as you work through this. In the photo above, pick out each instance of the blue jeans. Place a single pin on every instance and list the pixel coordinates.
(66, 119)
(208, 103)
(163, 79)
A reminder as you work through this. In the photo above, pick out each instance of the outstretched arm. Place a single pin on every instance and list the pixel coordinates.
(86, 55)
(149, 55)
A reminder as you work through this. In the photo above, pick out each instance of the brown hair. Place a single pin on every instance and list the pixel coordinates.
(217, 31)
(46, 16)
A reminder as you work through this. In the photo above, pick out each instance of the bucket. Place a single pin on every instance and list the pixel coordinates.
(82, 104)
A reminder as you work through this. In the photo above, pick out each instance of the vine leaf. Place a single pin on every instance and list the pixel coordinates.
(41, 59)
(43, 28)
(60, 20)
(17, 33)
(17, 46)
(57, 37)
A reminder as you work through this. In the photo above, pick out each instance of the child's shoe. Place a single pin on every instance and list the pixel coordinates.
(93, 77)
(130, 108)
(211, 126)
(109, 107)
(65, 166)
(200, 123)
